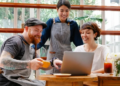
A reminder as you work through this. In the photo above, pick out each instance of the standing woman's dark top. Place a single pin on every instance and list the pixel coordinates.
(61, 32)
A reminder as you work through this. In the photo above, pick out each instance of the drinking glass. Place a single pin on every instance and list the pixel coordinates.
(108, 66)
(43, 53)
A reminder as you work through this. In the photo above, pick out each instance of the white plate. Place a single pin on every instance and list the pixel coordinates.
(62, 74)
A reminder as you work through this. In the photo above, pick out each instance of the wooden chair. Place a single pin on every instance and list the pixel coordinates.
(108, 81)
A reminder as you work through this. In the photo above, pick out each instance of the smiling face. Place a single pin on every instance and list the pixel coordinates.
(34, 33)
(88, 35)
(63, 13)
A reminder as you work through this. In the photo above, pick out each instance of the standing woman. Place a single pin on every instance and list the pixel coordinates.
(89, 33)
(61, 32)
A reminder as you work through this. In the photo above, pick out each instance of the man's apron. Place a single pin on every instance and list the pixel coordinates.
(21, 76)
(59, 42)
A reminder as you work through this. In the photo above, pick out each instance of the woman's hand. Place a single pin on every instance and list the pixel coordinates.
(98, 71)
(57, 63)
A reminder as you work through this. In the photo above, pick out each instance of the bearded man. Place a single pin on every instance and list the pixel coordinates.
(17, 57)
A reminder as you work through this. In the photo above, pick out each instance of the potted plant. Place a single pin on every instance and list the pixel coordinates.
(116, 63)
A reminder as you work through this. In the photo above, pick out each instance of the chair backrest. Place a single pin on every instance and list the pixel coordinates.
(108, 81)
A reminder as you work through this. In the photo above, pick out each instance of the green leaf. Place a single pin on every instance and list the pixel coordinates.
(98, 19)
(88, 18)
(80, 18)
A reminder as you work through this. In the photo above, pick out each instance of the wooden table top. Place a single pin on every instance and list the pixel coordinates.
(69, 78)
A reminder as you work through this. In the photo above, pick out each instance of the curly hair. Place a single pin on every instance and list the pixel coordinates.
(93, 26)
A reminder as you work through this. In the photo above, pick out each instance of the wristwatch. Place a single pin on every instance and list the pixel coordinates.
(51, 62)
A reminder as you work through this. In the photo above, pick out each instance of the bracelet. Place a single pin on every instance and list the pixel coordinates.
(51, 62)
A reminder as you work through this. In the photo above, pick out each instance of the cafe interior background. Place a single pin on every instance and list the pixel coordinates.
(12, 18)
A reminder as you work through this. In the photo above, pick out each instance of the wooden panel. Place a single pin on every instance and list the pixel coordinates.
(111, 85)
(11, 30)
(68, 79)
(77, 84)
(100, 82)
(27, 5)
(91, 83)
(52, 83)
(20, 30)
(53, 6)
(108, 81)
(107, 32)
(108, 78)
(111, 82)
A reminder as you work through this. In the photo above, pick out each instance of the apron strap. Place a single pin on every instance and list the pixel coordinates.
(22, 39)
(52, 52)
(53, 20)
(68, 23)
(1, 71)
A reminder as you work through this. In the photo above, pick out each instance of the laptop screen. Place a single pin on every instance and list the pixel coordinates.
(77, 63)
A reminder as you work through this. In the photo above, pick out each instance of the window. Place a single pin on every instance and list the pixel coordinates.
(112, 22)
(92, 2)
(8, 18)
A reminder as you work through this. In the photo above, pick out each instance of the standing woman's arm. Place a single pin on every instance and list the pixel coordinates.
(75, 34)
(45, 34)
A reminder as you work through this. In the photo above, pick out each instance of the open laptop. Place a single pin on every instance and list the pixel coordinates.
(77, 63)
